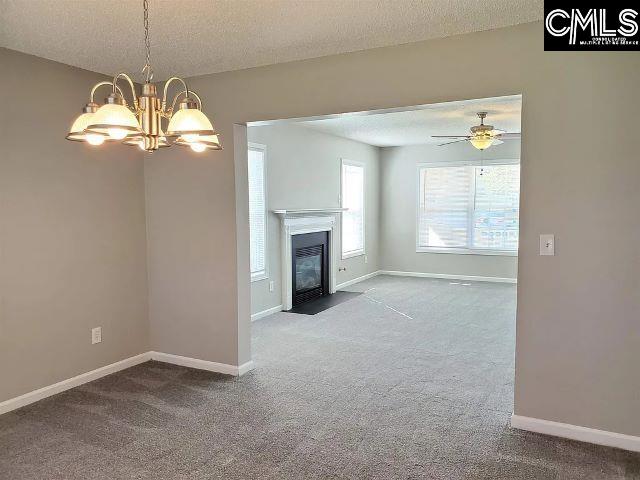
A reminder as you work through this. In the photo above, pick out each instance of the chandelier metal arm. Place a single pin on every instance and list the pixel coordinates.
(100, 84)
(166, 87)
(133, 88)
(186, 93)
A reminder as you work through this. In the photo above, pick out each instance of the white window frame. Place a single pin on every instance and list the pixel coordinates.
(458, 250)
(264, 274)
(361, 252)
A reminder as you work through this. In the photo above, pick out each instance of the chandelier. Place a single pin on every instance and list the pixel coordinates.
(139, 123)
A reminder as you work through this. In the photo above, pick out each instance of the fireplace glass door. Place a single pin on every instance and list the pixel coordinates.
(309, 270)
(310, 266)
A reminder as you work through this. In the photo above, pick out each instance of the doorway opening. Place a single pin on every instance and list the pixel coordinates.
(431, 191)
(396, 234)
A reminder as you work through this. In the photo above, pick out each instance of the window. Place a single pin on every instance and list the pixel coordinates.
(353, 199)
(257, 211)
(468, 208)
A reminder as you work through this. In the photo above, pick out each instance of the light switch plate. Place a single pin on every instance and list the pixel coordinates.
(271, 285)
(96, 335)
(547, 244)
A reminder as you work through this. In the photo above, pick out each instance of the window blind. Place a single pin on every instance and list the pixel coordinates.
(495, 216)
(257, 212)
(469, 207)
(353, 200)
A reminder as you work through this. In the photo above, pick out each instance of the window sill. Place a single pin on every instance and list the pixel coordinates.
(359, 253)
(467, 251)
(259, 276)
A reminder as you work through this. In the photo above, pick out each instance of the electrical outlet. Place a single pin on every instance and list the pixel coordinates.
(271, 285)
(366, 259)
(96, 335)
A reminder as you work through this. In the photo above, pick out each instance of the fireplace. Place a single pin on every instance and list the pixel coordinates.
(296, 225)
(309, 266)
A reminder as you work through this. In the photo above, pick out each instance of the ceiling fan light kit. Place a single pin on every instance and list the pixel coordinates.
(481, 141)
(140, 123)
(482, 136)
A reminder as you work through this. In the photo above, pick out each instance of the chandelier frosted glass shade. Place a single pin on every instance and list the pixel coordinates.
(116, 121)
(190, 124)
(77, 131)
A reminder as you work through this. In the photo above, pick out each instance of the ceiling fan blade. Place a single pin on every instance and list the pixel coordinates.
(455, 141)
(496, 131)
(497, 142)
(509, 136)
(449, 136)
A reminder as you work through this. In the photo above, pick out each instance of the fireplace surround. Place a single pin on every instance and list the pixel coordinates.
(299, 222)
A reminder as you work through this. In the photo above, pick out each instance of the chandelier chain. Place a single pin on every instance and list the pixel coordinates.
(147, 66)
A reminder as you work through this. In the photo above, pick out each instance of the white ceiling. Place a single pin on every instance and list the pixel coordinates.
(415, 127)
(192, 37)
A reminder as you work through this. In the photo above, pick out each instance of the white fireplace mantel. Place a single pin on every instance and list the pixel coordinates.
(300, 221)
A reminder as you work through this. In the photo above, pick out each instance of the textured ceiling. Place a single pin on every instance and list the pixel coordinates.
(192, 37)
(415, 127)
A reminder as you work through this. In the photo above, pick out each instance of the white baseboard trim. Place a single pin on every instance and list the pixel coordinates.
(44, 392)
(202, 364)
(358, 279)
(446, 276)
(264, 313)
(245, 367)
(575, 432)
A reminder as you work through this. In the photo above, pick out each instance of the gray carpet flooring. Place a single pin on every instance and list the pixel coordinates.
(412, 379)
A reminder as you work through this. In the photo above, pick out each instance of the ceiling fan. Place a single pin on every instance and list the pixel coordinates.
(482, 136)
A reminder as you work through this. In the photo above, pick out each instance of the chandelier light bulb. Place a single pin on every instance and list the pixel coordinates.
(190, 137)
(204, 142)
(117, 133)
(94, 139)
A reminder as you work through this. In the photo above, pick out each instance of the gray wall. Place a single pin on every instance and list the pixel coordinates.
(399, 203)
(303, 171)
(72, 233)
(578, 345)
(192, 265)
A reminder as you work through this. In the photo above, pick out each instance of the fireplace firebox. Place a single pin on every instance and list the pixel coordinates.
(310, 266)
